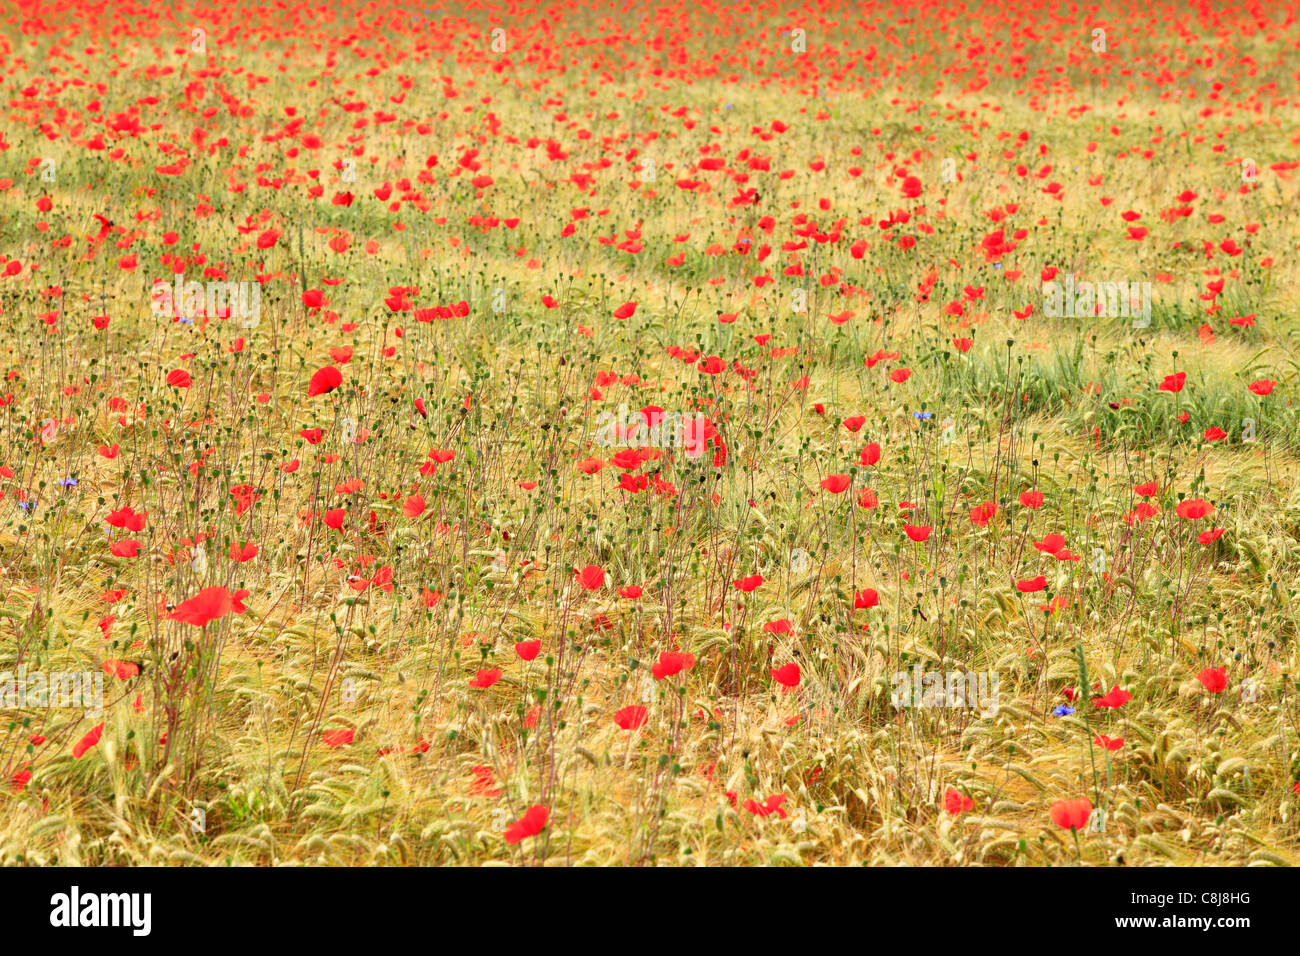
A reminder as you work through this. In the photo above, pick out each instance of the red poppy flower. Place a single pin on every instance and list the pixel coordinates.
(1116, 698)
(1050, 544)
(128, 519)
(631, 717)
(1142, 512)
(123, 670)
(672, 662)
(325, 380)
(247, 553)
(591, 577)
(787, 675)
(1194, 508)
(485, 678)
(750, 583)
(866, 598)
(1214, 679)
(917, 533)
(88, 741)
(629, 459)
(482, 785)
(210, 604)
(768, 807)
(530, 824)
(1072, 814)
(528, 650)
(337, 738)
(955, 802)
(245, 497)
(835, 484)
(1173, 383)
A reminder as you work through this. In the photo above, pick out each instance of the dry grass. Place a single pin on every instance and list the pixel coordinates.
(245, 701)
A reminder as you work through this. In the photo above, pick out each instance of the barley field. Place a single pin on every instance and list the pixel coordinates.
(688, 434)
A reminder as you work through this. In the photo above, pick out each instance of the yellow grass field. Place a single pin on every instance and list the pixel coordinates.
(334, 530)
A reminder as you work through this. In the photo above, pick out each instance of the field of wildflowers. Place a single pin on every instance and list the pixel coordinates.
(649, 434)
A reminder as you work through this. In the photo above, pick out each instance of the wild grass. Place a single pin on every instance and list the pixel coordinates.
(224, 762)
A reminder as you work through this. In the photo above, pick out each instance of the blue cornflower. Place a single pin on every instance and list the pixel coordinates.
(1063, 710)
